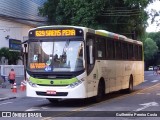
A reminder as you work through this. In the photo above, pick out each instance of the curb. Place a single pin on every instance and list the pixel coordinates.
(7, 98)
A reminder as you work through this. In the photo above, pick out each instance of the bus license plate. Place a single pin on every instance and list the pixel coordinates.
(51, 92)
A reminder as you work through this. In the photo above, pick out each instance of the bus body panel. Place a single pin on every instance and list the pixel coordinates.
(116, 75)
(92, 82)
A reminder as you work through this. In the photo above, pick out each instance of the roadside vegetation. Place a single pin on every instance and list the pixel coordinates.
(11, 56)
(126, 17)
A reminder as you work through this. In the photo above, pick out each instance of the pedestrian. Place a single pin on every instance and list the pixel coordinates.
(155, 69)
(11, 77)
(158, 70)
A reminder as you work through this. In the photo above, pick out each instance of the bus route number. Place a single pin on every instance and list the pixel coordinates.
(50, 33)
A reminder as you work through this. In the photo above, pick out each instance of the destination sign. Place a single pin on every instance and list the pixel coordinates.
(59, 32)
(43, 33)
(37, 65)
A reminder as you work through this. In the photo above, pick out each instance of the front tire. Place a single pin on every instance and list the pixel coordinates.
(130, 87)
(100, 91)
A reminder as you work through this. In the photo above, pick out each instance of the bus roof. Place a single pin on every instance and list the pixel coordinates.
(116, 36)
(61, 26)
(98, 32)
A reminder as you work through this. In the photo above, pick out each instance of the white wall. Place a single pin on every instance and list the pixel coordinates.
(15, 30)
(13, 13)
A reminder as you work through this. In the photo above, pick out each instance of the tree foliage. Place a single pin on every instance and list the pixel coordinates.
(155, 36)
(120, 16)
(155, 59)
(150, 49)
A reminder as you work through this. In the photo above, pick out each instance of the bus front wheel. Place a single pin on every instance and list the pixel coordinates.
(130, 87)
(100, 91)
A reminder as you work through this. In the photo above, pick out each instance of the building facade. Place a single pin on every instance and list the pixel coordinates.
(17, 17)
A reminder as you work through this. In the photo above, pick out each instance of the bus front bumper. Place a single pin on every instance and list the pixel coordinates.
(57, 92)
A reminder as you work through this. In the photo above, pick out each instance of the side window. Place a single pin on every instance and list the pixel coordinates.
(130, 52)
(100, 48)
(118, 50)
(136, 52)
(124, 51)
(111, 49)
(140, 52)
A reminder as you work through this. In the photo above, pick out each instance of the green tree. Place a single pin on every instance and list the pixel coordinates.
(121, 16)
(12, 56)
(156, 37)
(150, 49)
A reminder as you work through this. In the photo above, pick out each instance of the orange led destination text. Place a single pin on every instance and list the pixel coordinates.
(48, 33)
(37, 65)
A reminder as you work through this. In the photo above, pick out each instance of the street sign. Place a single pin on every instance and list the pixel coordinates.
(15, 45)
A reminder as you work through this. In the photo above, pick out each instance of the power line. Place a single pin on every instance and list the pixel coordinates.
(116, 15)
(113, 12)
(117, 23)
(121, 12)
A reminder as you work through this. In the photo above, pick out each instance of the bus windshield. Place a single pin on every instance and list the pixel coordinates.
(56, 56)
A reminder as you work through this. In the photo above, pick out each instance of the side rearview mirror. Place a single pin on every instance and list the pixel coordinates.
(91, 54)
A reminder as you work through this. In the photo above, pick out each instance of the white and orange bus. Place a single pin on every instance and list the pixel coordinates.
(72, 62)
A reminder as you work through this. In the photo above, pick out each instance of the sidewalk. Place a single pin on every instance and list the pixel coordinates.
(6, 93)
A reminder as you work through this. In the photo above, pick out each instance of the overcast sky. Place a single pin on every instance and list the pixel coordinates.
(153, 27)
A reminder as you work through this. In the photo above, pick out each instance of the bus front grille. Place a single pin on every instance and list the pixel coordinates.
(52, 85)
(57, 94)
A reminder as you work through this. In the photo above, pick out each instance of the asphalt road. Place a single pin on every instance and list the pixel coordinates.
(142, 104)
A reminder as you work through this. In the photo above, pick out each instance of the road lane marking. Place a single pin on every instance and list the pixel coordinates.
(47, 118)
(143, 93)
(37, 108)
(33, 109)
(45, 108)
(145, 80)
(6, 103)
(155, 81)
(150, 75)
(146, 105)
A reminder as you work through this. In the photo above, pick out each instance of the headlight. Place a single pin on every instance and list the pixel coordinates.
(31, 84)
(76, 83)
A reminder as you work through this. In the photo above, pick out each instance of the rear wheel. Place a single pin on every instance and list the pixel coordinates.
(130, 88)
(100, 91)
